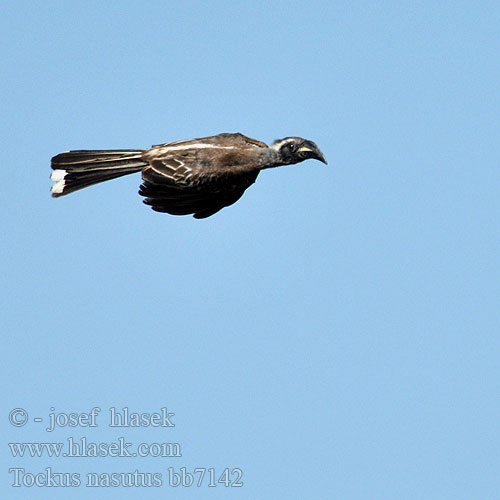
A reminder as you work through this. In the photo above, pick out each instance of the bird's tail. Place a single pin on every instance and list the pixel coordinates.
(75, 170)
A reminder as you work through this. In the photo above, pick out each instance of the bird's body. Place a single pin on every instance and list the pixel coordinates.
(196, 176)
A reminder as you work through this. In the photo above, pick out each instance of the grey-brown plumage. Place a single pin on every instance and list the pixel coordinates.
(197, 176)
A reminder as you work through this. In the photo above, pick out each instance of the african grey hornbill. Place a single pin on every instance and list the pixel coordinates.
(197, 176)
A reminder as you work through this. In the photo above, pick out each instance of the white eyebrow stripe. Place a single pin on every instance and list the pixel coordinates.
(277, 145)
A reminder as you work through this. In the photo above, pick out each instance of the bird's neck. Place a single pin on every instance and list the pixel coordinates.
(270, 158)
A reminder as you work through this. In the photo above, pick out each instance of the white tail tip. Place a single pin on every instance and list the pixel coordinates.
(58, 187)
(58, 175)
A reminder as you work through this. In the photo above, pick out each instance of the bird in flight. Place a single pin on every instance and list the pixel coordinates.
(196, 176)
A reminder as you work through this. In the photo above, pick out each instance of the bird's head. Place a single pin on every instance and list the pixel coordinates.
(295, 149)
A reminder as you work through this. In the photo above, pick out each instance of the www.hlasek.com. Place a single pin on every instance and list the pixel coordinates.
(199, 476)
(84, 448)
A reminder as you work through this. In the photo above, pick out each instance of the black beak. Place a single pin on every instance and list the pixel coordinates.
(319, 156)
(310, 150)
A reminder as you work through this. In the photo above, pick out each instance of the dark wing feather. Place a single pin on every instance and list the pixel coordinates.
(173, 186)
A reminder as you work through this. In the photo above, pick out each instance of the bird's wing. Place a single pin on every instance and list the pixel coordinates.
(177, 186)
(222, 140)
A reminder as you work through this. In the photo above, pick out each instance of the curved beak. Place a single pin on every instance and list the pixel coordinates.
(320, 157)
(311, 150)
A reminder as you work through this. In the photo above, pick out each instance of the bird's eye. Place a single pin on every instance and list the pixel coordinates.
(292, 147)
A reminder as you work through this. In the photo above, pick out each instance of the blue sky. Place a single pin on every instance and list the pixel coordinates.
(334, 334)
